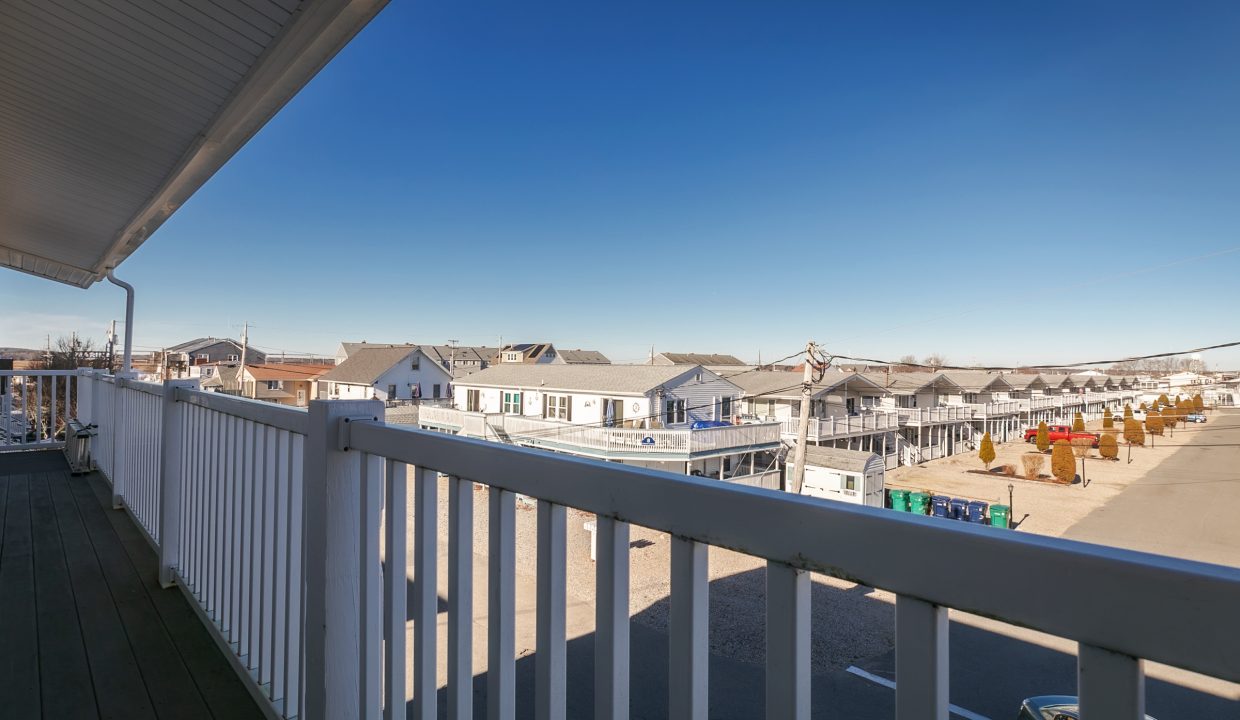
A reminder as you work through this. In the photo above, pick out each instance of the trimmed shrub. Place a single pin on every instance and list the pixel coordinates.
(1078, 423)
(1033, 465)
(987, 452)
(1063, 462)
(1154, 423)
(1127, 412)
(1199, 404)
(1009, 470)
(1133, 434)
(1163, 401)
(1108, 420)
(1108, 448)
(1043, 440)
(1143, 407)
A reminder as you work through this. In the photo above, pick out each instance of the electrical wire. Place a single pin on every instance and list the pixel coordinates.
(1056, 366)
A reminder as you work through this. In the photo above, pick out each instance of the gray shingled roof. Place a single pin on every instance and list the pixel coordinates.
(583, 357)
(977, 380)
(366, 364)
(781, 384)
(907, 383)
(1021, 381)
(700, 359)
(837, 459)
(622, 379)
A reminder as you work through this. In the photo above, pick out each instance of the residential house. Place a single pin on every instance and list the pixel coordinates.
(283, 383)
(703, 359)
(387, 372)
(203, 351)
(995, 411)
(526, 353)
(461, 360)
(845, 409)
(667, 417)
(930, 425)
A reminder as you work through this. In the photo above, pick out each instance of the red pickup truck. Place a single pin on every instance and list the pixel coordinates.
(1060, 432)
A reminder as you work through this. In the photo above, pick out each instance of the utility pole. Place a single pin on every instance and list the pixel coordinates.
(452, 357)
(245, 340)
(807, 391)
(111, 346)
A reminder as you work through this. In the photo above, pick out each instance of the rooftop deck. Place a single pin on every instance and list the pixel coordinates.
(88, 631)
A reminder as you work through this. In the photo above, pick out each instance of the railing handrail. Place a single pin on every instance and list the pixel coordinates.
(283, 417)
(40, 373)
(822, 537)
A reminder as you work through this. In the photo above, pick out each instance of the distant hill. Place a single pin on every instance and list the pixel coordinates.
(17, 353)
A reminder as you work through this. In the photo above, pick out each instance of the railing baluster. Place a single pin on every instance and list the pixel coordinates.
(611, 634)
(395, 592)
(292, 579)
(425, 597)
(688, 641)
(1111, 685)
(254, 545)
(552, 584)
(501, 607)
(460, 598)
(280, 563)
(921, 659)
(787, 642)
(370, 589)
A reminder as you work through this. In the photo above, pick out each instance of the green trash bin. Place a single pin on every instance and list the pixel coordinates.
(919, 503)
(899, 500)
(999, 516)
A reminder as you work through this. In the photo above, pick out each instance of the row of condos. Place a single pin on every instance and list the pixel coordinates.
(737, 423)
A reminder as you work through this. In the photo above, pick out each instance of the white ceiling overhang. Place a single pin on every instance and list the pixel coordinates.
(113, 114)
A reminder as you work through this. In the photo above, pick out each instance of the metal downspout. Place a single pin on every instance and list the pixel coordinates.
(127, 363)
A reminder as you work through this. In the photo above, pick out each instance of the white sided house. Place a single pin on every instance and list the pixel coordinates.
(665, 417)
(989, 395)
(390, 373)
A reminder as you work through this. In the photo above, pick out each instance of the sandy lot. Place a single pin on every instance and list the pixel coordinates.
(1039, 507)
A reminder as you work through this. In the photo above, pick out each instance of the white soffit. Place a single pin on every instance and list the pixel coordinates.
(113, 112)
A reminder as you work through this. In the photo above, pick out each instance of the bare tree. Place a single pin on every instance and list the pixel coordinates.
(934, 360)
(71, 353)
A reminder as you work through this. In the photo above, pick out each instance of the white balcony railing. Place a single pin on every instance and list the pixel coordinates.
(844, 425)
(440, 416)
(991, 409)
(944, 413)
(637, 441)
(33, 407)
(316, 621)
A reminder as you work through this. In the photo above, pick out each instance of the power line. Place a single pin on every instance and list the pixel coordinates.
(1054, 366)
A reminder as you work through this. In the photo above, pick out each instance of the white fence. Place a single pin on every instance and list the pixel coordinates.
(651, 442)
(844, 426)
(287, 531)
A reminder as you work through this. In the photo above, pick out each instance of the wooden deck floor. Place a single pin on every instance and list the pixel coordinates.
(85, 629)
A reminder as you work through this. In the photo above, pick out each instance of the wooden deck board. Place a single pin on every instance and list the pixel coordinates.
(67, 689)
(19, 667)
(87, 630)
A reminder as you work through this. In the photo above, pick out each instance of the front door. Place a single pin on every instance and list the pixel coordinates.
(613, 412)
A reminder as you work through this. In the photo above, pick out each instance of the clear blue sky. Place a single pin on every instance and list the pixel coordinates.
(996, 182)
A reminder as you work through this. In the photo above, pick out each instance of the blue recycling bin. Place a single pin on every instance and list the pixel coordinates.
(977, 512)
(940, 505)
(959, 509)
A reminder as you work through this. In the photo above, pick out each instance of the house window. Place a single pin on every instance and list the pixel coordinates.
(512, 357)
(231, 358)
(473, 400)
(512, 403)
(970, 397)
(416, 361)
(850, 482)
(725, 408)
(435, 390)
(391, 393)
(674, 412)
(273, 384)
(202, 356)
(558, 407)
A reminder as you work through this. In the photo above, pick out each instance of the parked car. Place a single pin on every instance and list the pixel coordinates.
(1195, 417)
(1052, 707)
(1060, 432)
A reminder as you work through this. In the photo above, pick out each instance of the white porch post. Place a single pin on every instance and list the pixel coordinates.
(170, 453)
(332, 515)
(85, 385)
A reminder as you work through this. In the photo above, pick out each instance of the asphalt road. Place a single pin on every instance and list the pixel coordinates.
(1185, 507)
